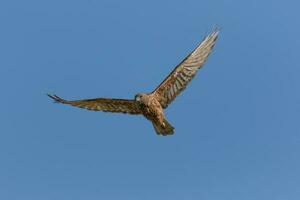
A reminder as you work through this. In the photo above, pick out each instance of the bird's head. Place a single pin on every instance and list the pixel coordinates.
(138, 97)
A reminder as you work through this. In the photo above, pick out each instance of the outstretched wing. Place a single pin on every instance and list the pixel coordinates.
(103, 104)
(179, 78)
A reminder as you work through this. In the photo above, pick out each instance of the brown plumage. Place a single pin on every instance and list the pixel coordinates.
(152, 105)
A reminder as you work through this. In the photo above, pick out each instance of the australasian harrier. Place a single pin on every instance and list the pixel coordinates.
(152, 105)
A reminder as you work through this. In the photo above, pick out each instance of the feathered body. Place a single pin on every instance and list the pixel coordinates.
(153, 111)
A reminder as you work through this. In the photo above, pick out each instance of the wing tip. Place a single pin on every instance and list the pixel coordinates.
(56, 98)
(214, 33)
(210, 37)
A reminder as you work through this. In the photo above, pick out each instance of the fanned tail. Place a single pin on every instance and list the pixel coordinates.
(165, 129)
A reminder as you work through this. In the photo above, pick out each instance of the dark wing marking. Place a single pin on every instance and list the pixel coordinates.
(103, 104)
(179, 78)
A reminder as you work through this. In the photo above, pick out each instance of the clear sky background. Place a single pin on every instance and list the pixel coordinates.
(237, 125)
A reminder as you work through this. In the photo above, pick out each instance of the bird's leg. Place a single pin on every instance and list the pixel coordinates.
(162, 123)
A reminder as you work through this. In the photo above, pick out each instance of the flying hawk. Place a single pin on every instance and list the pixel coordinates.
(152, 105)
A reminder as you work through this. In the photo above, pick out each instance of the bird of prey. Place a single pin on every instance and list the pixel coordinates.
(152, 105)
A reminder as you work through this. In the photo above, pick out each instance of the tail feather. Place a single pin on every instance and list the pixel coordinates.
(165, 129)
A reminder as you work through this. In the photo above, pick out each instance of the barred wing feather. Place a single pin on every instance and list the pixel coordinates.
(180, 77)
(103, 104)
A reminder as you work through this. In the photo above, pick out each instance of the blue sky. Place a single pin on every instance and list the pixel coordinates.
(237, 125)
